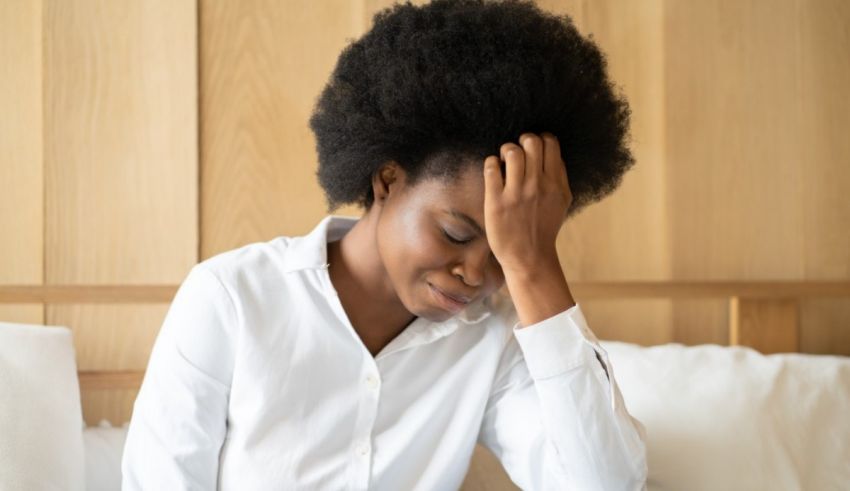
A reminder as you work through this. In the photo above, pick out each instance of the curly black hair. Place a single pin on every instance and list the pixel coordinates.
(443, 85)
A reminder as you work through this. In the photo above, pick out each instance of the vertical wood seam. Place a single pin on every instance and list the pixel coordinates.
(734, 321)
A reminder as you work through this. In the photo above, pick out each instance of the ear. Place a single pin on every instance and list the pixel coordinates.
(389, 178)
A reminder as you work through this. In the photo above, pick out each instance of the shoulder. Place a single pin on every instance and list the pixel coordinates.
(250, 271)
(275, 258)
(253, 259)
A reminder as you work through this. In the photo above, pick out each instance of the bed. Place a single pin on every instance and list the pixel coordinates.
(717, 417)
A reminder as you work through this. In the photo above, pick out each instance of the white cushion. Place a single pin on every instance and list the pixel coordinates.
(41, 445)
(731, 418)
(104, 446)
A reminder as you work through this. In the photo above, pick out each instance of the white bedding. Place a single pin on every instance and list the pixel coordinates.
(730, 418)
(103, 448)
(40, 415)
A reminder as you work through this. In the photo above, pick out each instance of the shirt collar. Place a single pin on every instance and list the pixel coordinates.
(311, 251)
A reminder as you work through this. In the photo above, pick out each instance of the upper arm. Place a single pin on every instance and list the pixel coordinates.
(179, 416)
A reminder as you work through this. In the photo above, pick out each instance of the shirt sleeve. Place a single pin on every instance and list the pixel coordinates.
(179, 416)
(555, 417)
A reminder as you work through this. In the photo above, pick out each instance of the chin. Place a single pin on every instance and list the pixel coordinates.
(438, 316)
(430, 313)
(428, 310)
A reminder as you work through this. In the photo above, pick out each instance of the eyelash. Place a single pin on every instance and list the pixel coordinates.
(453, 240)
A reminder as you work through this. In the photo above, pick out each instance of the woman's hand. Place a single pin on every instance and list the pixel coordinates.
(524, 212)
(522, 216)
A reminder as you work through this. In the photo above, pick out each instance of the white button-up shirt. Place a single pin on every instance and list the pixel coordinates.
(258, 381)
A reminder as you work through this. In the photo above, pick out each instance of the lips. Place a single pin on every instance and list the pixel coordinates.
(450, 301)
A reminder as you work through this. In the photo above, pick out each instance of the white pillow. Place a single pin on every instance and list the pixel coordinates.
(104, 446)
(731, 418)
(41, 444)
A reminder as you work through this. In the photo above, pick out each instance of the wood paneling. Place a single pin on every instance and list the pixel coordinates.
(768, 326)
(731, 164)
(110, 337)
(756, 150)
(824, 160)
(263, 63)
(120, 141)
(825, 326)
(21, 161)
(120, 152)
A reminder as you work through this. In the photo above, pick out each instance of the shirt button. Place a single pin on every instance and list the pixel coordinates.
(362, 449)
(372, 382)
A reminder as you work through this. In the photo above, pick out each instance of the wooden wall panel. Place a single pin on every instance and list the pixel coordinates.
(263, 63)
(824, 161)
(765, 325)
(111, 337)
(756, 154)
(825, 326)
(120, 141)
(21, 162)
(731, 86)
(732, 164)
(121, 183)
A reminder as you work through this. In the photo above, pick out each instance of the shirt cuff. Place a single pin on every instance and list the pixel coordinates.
(557, 344)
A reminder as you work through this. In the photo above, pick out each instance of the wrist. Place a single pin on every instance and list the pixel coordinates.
(539, 293)
(543, 267)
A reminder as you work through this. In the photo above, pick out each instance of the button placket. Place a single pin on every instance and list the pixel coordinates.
(369, 394)
(372, 381)
(363, 449)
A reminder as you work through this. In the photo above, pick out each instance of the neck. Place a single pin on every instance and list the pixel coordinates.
(360, 278)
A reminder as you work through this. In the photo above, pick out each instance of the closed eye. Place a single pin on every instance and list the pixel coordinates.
(455, 240)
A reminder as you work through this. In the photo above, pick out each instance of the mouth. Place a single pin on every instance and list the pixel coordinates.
(451, 302)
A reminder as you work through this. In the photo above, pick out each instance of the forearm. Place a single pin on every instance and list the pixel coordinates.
(540, 291)
(576, 432)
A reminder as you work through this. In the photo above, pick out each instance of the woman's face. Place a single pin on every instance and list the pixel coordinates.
(431, 239)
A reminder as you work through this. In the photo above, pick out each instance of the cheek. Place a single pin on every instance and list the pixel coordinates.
(421, 248)
(411, 249)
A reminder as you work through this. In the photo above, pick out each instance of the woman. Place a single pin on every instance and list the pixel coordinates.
(374, 353)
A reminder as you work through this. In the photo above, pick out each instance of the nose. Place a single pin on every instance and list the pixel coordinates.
(472, 269)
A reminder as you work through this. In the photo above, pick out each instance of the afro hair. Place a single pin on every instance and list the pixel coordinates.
(457, 79)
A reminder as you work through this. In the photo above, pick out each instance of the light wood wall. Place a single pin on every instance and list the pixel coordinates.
(21, 154)
(138, 138)
(99, 167)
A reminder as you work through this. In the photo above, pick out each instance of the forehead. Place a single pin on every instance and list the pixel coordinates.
(463, 192)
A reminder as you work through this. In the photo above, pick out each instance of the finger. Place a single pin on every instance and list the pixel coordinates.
(532, 145)
(554, 167)
(514, 158)
(493, 183)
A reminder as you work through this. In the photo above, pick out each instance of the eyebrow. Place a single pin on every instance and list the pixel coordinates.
(466, 218)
